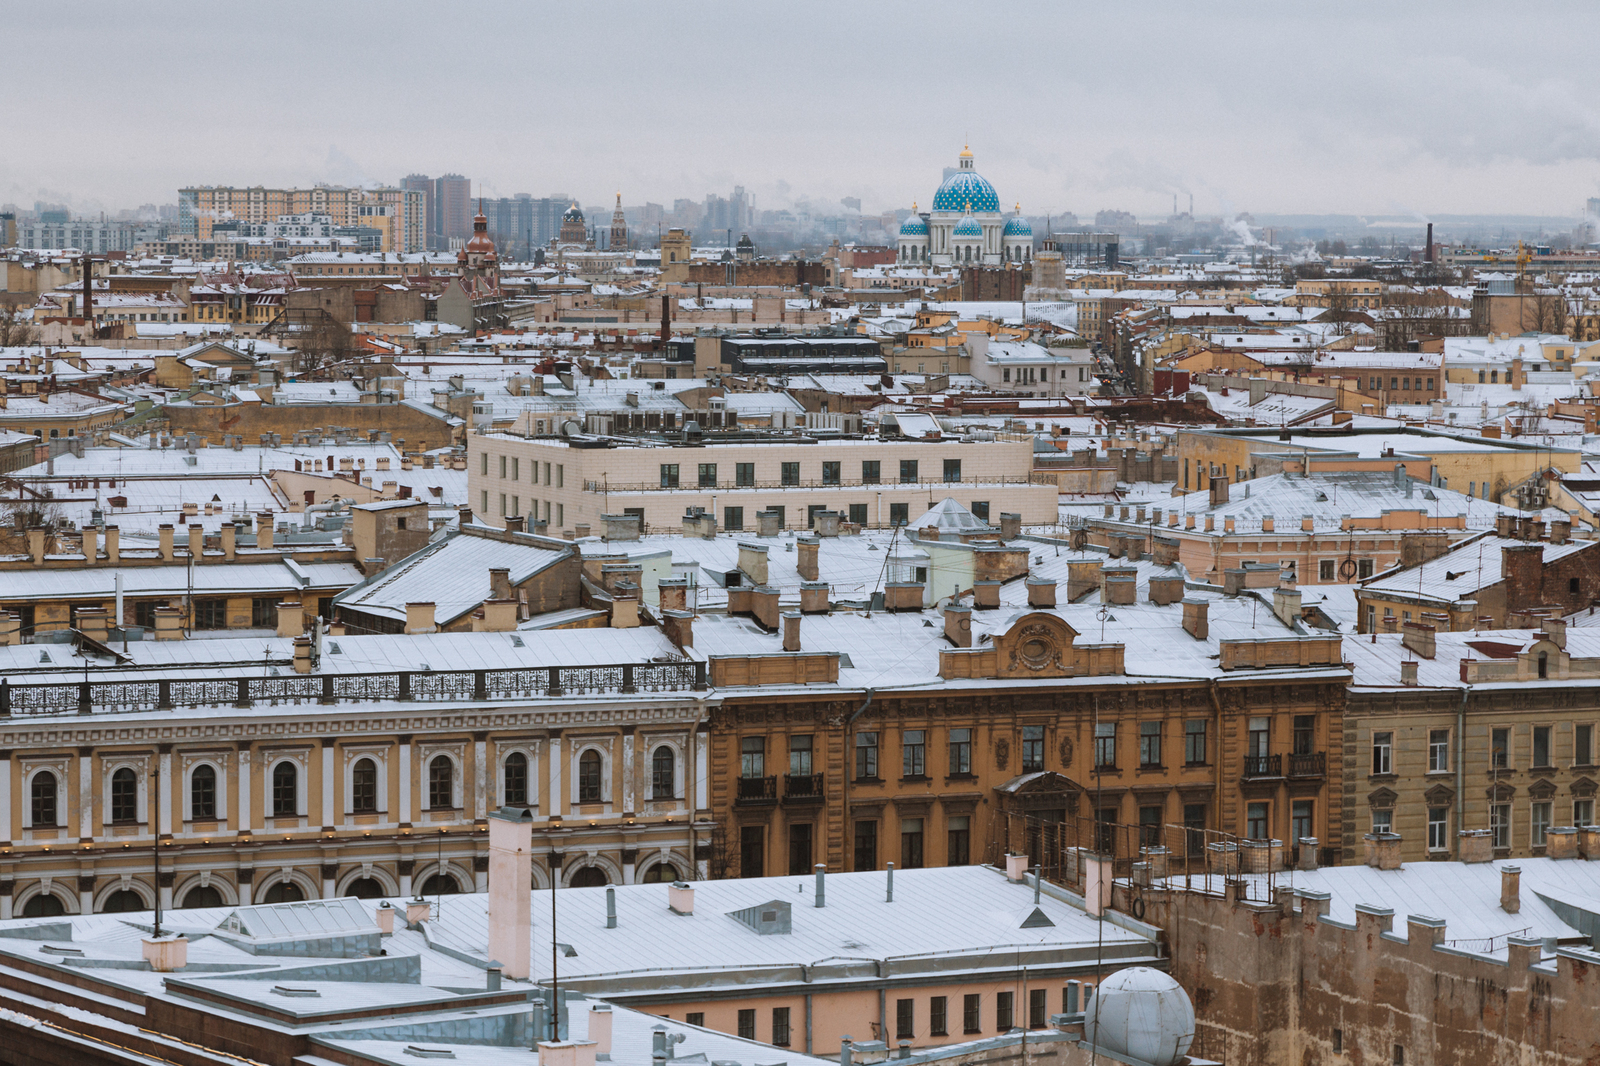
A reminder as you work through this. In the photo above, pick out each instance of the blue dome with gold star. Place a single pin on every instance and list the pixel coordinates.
(1017, 226)
(967, 227)
(914, 226)
(966, 190)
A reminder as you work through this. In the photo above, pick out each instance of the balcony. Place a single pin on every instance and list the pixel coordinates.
(757, 791)
(1311, 764)
(1256, 766)
(802, 788)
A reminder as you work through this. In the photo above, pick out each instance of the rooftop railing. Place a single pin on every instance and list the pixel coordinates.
(410, 686)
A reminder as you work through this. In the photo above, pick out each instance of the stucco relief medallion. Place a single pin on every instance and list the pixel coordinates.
(1002, 752)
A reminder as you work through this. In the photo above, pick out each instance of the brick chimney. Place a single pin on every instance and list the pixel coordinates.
(500, 583)
(1511, 889)
(986, 595)
(805, 549)
(264, 530)
(791, 630)
(1219, 491)
(814, 597)
(114, 546)
(290, 620)
(1195, 618)
(673, 594)
(1382, 850)
(1474, 845)
(958, 625)
(510, 882)
(1041, 592)
(419, 618)
(1523, 568)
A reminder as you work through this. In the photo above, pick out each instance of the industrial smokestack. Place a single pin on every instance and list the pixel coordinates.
(1427, 255)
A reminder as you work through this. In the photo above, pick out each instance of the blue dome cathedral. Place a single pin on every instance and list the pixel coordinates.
(966, 189)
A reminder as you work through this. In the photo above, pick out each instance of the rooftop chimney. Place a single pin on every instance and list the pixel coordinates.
(680, 897)
(1474, 845)
(821, 898)
(1510, 889)
(791, 630)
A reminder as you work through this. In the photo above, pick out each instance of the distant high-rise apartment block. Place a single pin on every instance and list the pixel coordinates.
(447, 206)
(398, 212)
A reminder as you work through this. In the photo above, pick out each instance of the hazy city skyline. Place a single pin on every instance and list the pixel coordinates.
(1430, 109)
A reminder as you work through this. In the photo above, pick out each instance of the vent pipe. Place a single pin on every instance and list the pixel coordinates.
(821, 897)
(611, 907)
(890, 897)
(1036, 870)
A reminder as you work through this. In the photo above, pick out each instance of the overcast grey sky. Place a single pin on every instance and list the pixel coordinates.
(1380, 108)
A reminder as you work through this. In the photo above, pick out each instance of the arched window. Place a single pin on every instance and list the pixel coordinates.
(662, 785)
(124, 796)
(365, 888)
(660, 873)
(203, 793)
(440, 885)
(285, 790)
(284, 892)
(441, 783)
(364, 786)
(44, 799)
(122, 901)
(201, 896)
(44, 905)
(516, 780)
(590, 877)
(589, 777)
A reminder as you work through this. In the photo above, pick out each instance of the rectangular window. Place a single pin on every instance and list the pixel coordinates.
(1305, 734)
(1364, 569)
(502, 468)
(1583, 745)
(1004, 1011)
(752, 852)
(695, 1017)
(959, 831)
(1338, 1041)
(952, 470)
(1438, 750)
(708, 475)
(561, 475)
(1300, 824)
(914, 753)
(1583, 812)
(960, 751)
(870, 471)
(800, 849)
(908, 471)
(1539, 823)
(1325, 570)
(669, 475)
(866, 756)
(1500, 824)
(830, 473)
(1260, 738)
(1500, 749)
(516, 466)
(800, 750)
(1194, 825)
(904, 1015)
(747, 1024)
(791, 473)
(1382, 753)
(911, 843)
(1032, 748)
(1037, 1008)
(866, 851)
(971, 1016)
(264, 612)
(937, 1022)
(733, 519)
(744, 475)
(1541, 747)
(1438, 828)
(1105, 745)
(858, 514)
(899, 514)
(753, 757)
(1149, 743)
(780, 1026)
(483, 501)
(1256, 821)
(979, 509)
(484, 463)
(212, 614)
(1150, 826)
(1194, 742)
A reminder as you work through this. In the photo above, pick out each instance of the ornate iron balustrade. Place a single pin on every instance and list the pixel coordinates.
(1310, 764)
(802, 788)
(411, 686)
(757, 790)
(1263, 766)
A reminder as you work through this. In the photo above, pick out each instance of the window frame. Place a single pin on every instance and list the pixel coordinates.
(1195, 741)
(1382, 753)
(285, 788)
(913, 754)
(1150, 745)
(866, 756)
(591, 771)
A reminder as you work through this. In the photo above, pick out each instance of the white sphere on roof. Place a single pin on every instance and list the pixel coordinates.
(1141, 1013)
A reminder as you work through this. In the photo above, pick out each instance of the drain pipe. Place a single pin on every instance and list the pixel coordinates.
(1461, 761)
(849, 732)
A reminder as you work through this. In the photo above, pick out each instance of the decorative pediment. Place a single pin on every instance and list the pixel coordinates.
(1439, 796)
(1042, 782)
(1035, 645)
(1501, 792)
(1542, 789)
(1382, 798)
(1583, 788)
